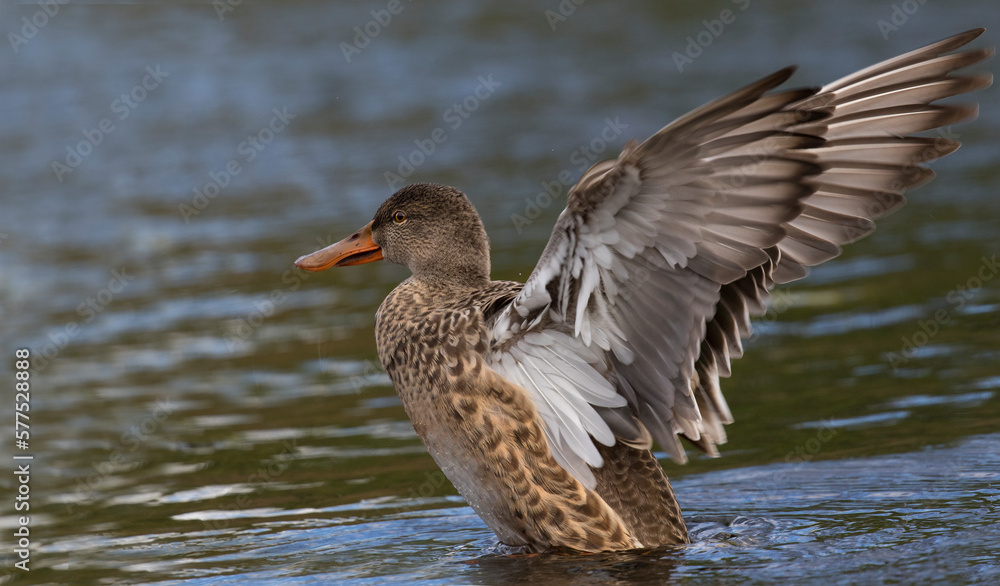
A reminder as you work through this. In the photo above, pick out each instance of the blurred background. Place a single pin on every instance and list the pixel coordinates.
(202, 411)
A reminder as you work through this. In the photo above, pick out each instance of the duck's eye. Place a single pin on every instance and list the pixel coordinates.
(399, 217)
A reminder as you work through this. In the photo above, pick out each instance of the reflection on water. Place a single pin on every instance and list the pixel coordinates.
(203, 411)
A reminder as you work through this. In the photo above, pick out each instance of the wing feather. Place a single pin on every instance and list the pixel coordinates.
(645, 291)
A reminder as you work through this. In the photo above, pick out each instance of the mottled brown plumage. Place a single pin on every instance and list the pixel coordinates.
(540, 401)
(483, 431)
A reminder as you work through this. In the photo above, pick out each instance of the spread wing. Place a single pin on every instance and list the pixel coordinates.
(648, 282)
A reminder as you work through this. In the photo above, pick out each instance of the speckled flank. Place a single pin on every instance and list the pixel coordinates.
(486, 434)
(632, 482)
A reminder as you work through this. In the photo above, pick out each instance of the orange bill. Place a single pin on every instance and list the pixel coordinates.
(356, 249)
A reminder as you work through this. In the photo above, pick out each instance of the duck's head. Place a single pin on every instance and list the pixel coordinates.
(431, 229)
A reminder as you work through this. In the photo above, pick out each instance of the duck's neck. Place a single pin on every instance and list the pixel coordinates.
(454, 276)
(469, 268)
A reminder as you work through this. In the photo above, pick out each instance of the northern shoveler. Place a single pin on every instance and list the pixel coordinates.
(541, 401)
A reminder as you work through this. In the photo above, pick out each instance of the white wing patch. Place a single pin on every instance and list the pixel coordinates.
(561, 376)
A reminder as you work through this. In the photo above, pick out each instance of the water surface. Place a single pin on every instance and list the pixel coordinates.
(202, 412)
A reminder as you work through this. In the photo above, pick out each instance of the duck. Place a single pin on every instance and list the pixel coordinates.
(542, 401)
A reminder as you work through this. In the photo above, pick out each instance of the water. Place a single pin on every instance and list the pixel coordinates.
(201, 412)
